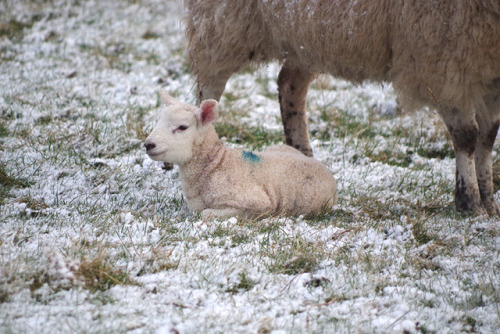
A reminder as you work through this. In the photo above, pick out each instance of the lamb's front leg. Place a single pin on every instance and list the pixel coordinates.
(488, 127)
(293, 83)
(208, 214)
(464, 132)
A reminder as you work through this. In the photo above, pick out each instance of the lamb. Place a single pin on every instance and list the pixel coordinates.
(444, 54)
(222, 182)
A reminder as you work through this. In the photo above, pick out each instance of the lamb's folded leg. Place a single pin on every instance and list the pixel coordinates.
(293, 83)
(208, 214)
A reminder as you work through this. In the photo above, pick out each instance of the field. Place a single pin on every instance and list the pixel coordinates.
(96, 238)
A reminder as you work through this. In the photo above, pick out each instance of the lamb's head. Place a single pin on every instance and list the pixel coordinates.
(181, 127)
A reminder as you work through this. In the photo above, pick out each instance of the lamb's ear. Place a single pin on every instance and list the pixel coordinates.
(208, 111)
(167, 99)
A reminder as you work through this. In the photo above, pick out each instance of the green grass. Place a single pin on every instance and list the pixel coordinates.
(14, 29)
(254, 137)
(292, 256)
(79, 197)
(244, 284)
(8, 182)
(98, 274)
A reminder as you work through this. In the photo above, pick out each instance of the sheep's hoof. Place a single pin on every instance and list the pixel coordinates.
(471, 210)
(167, 166)
(492, 208)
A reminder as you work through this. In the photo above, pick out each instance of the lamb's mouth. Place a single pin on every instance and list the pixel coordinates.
(155, 154)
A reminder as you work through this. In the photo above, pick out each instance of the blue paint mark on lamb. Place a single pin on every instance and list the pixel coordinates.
(250, 156)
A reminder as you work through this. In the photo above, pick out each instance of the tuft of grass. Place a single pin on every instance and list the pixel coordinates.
(13, 29)
(432, 152)
(316, 282)
(240, 238)
(99, 275)
(422, 328)
(300, 263)
(244, 284)
(221, 233)
(135, 123)
(157, 265)
(4, 131)
(420, 233)
(4, 296)
(8, 182)
(425, 259)
(379, 210)
(150, 35)
(343, 125)
(37, 282)
(327, 217)
(335, 298)
(296, 257)
(469, 324)
(390, 157)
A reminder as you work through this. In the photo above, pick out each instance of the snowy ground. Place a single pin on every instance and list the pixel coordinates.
(95, 237)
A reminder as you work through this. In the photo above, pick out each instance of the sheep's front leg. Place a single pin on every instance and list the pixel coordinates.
(293, 83)
(488, 128)
(464, 132)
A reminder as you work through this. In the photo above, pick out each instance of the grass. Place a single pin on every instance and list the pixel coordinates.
(251, 136)
(85, 213)
(7, 182)
(14, 29)
(244, 284)
(292, 256)
(99, 274)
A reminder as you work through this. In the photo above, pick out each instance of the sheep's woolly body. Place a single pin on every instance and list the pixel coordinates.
(444, 50)
(220, 181)
(442, 53)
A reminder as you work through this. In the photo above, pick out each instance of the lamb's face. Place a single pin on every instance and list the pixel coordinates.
(173, 137)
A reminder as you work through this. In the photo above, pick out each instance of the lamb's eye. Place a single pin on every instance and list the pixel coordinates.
(181, 128)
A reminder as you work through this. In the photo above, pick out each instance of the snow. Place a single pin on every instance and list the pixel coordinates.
(80, 85)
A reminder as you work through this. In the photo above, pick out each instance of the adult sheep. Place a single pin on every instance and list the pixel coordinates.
(441, 53)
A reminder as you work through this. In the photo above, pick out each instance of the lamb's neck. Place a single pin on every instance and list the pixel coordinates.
(208, 154)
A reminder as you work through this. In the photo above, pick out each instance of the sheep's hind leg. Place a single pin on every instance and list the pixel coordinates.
(464, 132)
(488, 127)
(293, 83)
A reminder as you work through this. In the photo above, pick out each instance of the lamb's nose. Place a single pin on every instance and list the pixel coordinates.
(149, 145)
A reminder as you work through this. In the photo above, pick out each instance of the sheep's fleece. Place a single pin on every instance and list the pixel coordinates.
(221, 182)
(440, 53)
